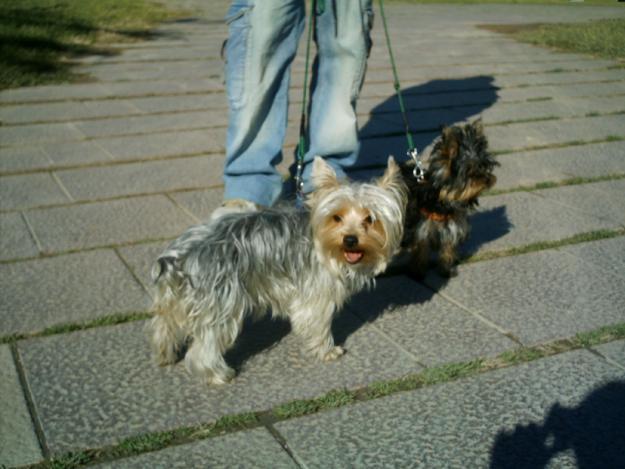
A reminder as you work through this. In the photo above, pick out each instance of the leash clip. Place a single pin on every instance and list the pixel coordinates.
(417, 172)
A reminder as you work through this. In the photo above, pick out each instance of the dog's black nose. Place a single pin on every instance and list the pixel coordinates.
(350, 241)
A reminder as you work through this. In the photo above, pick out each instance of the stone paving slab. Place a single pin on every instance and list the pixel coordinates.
(420, 321)
(538, 297)
(30, 190)
(27, 113)
(609, 254)
(145, 124)
(76, 153)
(98, 224)
(601, 199)
(141, 258)
(180, 103)
(200, 203)
(254, 448)
(18, 441)
(499, 113)
(515, 417)
(521, 136)
(164, 144)
(556, 164)
(614, 351)
(522, 218)
(38, 133)
(66, 289)
(19, 159)
(98, 386)
(16, 241)
(143, 178)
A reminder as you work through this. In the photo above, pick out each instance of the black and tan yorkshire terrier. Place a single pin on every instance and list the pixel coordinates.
(459, 169)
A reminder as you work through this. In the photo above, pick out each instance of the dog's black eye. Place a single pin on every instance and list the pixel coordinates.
(368, 220)
(337, 218)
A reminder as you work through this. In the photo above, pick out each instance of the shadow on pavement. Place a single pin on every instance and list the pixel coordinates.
(594, 432)
(429, 107)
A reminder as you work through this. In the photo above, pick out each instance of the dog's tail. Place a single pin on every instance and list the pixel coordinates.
(168, 281)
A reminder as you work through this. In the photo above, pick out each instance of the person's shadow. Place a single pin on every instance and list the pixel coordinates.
(430, 106)
(594, 432)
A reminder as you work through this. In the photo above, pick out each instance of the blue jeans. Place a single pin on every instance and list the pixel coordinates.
(262, 42)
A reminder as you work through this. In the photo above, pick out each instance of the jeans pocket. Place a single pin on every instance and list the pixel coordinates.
(236, 52)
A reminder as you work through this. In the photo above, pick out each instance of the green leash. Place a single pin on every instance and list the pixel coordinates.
(303, 124)
(318, 7)
(412, 150)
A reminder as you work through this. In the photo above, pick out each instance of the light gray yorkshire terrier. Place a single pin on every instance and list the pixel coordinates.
(302, 265)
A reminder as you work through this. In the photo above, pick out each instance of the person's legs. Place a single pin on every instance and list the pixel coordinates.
(262, 42)
(343, 45)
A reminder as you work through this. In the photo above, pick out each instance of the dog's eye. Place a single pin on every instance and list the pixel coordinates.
(368, 220)
(337, 218)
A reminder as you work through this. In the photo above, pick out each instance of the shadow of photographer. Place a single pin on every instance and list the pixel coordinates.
(593, 431)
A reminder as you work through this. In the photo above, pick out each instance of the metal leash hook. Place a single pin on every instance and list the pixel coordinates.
(418, 171)
(299, 185)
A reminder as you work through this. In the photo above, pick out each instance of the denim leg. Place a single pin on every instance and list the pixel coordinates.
(343, 44)
(262, 42)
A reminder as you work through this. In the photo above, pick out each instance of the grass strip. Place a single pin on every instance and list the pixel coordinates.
(543, 245)
(153, 441)
(571, 143)
(334, 399)
(553, 184)
(103, 321)
(603, 38)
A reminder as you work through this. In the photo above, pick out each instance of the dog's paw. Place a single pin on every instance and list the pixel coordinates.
(448, 272)
(334, 353)
(221, 377)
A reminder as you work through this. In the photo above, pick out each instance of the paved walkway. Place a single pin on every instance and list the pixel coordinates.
(95, 178)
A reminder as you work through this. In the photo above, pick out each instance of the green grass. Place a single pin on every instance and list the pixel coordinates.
(601, 38)
(39, 38)
(544, 245)
(102, 321)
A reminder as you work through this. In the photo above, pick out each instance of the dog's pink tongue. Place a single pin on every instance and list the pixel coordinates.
(353, 256)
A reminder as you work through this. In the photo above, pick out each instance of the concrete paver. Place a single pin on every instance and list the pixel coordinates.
(98, 224)
(518, 417)
(539, 296)
(521, 218)
(98, 386)
(602, 199)
(18, 442)
(420, 321)
(31, 190)
(254, 448)
(16, 241)
(18, 159)
(614, 351)
(556, 164)
(142, 178)
(66, 289)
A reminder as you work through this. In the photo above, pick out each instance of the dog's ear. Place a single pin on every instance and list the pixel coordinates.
(323, 175)
(478, 126)
(449, 147)
(391, 175)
